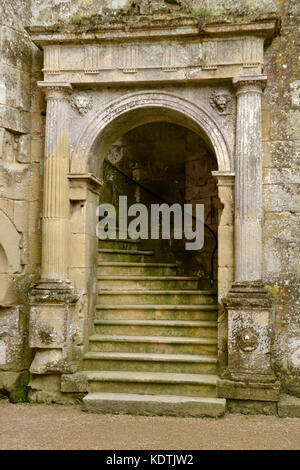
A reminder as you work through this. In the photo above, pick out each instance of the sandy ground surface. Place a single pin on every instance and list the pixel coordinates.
(57, 427)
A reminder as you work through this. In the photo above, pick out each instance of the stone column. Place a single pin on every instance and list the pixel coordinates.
(248, 190)
(248, 305)
(225, 181)
(53, 299)
(56, 185)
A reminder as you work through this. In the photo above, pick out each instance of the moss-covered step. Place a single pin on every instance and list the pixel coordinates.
(153, 344)
(152, 383)
(185, 297)
(110, 254)
(111, 268)
(157, 312)
(142, 362)
(154, 405)
(197, 329)
(147, 282)
(118, 244)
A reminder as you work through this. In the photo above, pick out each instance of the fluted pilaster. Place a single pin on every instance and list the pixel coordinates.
(56, 197)
(248, 193)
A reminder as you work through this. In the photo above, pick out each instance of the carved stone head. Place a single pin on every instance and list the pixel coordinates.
(81, 103)
(220, 100)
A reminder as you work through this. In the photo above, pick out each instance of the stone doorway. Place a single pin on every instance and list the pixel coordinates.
(212, 87)
(174, 164)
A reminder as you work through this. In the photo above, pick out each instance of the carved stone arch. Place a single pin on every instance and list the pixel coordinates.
(155, 106)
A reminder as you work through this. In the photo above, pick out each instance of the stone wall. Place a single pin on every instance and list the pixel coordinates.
(281, 196)
(21, 150)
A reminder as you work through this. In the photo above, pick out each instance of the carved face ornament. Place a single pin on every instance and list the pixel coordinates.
(220, 101)
(81, 103)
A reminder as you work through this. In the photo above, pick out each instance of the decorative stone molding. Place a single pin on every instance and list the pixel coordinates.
(186, 50)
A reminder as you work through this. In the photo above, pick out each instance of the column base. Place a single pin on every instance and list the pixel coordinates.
(51, 304)
(249, 375)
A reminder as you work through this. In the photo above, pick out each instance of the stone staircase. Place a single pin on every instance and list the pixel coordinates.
(154, 346)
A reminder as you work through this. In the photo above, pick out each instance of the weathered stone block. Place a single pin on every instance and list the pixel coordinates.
(50, 361)
(48, 383)
(74, 383)
(48, 326)
(289, 407)
(252, 407)
(248, 390)
(24, 149)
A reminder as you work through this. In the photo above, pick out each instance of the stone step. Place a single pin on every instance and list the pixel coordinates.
(178, 297)
(154, 405)
(202, 329)
(152, 383)
(157, 312)
(153, 344)
(109, 268)
(147, 282)
(127, 244)
(108, 254)
(172, 363)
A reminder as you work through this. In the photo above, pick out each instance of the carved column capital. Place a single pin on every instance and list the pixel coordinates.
(56, 90)
(250, 84)
(224, 178)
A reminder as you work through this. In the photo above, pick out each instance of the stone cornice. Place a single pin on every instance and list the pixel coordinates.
(94, 31)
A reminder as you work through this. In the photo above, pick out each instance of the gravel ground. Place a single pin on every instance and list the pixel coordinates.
(57, 427)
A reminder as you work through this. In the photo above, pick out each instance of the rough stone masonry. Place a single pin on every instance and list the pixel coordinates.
(76, 76)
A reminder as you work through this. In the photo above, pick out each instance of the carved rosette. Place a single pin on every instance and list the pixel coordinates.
(247, 339)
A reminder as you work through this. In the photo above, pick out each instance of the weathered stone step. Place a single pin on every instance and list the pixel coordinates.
(153, 344)
(154, 405)
(203, 329)
(152, 383)
(177, 297)
(105, 254)
(127, 244)
(157, 312)
(172, 363)
(109, 268)
(148, 282)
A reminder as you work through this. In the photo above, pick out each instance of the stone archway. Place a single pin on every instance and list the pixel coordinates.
(173, 107)
(141, 107)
